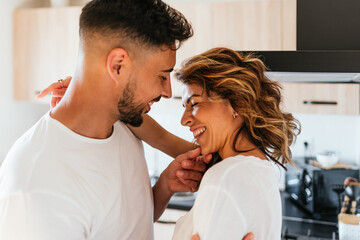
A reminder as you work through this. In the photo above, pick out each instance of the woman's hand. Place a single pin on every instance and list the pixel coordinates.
(57, 90)
(249, 236)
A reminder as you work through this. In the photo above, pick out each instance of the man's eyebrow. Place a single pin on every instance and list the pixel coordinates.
(167, 70)
(188, 100)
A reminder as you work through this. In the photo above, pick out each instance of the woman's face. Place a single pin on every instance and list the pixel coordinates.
(210, 119)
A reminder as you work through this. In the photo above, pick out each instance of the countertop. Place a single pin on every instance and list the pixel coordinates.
(295, 221)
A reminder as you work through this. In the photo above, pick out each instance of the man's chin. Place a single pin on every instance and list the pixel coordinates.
(133, 122)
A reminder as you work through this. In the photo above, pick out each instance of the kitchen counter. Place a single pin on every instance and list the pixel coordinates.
(295, 221)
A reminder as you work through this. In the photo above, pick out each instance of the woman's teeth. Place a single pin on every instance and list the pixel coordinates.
(197, 132)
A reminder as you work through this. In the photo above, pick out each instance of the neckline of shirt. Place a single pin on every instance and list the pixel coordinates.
(77, 136)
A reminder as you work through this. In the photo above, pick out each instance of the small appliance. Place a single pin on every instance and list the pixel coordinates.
(315, 189)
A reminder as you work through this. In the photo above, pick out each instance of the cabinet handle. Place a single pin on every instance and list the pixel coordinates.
(166, 222)
(309, 102)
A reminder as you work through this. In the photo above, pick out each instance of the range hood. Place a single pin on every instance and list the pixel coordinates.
(328, 44)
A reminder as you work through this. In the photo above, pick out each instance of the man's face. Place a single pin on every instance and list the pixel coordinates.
(148, 82)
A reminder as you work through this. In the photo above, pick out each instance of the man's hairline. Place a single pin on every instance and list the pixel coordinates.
(134, 47)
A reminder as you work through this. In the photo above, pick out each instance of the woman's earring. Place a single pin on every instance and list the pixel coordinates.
(235, 114)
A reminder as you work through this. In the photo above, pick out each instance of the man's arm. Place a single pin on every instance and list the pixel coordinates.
(157, 137)
(182, 175)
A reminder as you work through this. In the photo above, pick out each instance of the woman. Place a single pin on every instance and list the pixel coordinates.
(233, 111)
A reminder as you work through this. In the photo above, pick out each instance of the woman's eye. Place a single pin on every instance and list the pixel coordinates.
(163, 78)
(194, 104)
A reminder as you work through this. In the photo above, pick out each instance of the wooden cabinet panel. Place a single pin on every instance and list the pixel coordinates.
(242, 25)
(288, 28)
(45, 48)
(322, 98)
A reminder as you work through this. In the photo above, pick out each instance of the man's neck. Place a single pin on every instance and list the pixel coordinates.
(85, 111)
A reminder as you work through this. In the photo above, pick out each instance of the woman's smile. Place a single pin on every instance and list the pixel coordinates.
(198, 132)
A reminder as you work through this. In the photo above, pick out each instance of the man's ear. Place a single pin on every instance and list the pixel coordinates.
(116, 61)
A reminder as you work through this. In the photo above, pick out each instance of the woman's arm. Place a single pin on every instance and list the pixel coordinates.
(158, 137)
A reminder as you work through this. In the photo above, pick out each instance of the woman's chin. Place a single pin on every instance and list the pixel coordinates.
(204, 151)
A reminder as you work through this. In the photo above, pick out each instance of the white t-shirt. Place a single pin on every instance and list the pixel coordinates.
(236, 196)
(57, 185)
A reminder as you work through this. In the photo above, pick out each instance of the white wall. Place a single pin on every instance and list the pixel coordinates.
(15, 117)
(330, 132)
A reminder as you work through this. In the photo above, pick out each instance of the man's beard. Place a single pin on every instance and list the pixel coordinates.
(130, 113)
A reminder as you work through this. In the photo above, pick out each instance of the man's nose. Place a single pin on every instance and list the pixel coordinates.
(166, 93)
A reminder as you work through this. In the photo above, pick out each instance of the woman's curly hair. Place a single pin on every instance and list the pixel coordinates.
(241, 80)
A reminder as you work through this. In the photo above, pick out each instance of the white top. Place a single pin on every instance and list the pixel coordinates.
(56, 184)
(237, 195)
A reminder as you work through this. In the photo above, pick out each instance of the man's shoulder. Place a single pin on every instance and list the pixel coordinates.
(126, 135)
(30, 140)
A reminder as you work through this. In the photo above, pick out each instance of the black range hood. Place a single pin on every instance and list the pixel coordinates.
(328, 44)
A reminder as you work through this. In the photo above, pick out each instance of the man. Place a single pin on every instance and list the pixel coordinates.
(79, 173)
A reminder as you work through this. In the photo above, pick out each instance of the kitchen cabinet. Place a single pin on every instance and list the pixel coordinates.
(45, 48)
(240, 25)
(46, 39)
(321, 98)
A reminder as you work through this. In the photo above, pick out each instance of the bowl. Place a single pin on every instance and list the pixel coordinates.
(327, 159)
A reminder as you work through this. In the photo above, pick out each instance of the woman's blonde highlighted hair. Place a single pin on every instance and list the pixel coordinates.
(241, 80)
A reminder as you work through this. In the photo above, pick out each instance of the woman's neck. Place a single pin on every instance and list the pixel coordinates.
(243, 146)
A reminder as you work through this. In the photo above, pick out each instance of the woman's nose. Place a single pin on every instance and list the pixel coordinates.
(186, 118)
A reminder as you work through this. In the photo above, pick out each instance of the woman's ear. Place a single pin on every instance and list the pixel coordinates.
(116, 62)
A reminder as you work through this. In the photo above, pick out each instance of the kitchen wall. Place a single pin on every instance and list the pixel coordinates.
(15, 117)
(322, 132)
(330, 132)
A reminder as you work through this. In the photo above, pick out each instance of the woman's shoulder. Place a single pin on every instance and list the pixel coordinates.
(240, 164)
(241, 170)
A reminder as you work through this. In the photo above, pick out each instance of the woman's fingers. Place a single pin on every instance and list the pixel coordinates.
(49, 89)
(195, 237)
(55, 86)
(59, 93)
(53, 102)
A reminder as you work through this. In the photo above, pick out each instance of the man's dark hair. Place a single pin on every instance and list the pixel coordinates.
(148, 22)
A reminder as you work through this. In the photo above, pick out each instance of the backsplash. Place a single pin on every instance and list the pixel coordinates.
(168, 114)
(330, 133)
